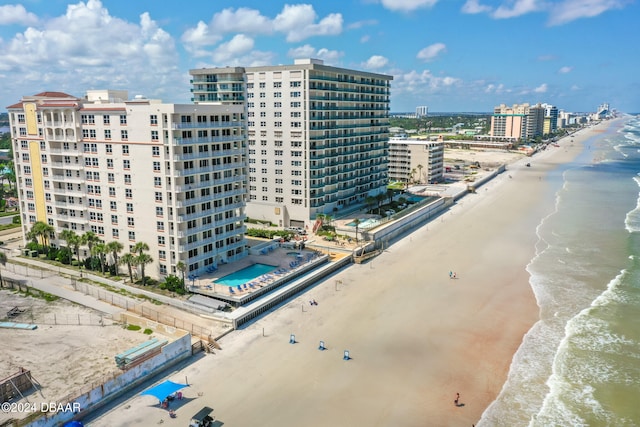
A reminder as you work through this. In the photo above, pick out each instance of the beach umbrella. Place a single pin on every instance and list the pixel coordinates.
(164, 390)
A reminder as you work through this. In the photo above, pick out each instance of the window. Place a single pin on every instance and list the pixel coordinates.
(126, 164)
(159, 225)
(111, 177)
(108, 148)
(162, 255)
(88, 119)
(294, 94)
(110, 163)
(154, 136)
(128, 193)
(113, 205)
(132, 235)
(155, 151)
(129, 207)
(106, 120)
(156, 166)
(161, 240)
(159, 211)
(157, 181)
(127, 178)
(130, 222)
(153, 119)
(125, 149)
(294, 84)
(107, 134)
(158, 196)
(115, 233)
(123, 119)
(124, 135)
(114, 219)
(112, 192)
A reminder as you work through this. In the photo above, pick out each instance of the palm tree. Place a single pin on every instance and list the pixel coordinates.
(140, 247)
(115, 248)
(142, 260)
(419, 173)
(390, 194)
(3, 261)
(72, 239)
(181, 267)
(42, 231)
(90, 238)
(129, 260)
(370, 201)
(356, 222)
(100, 250)
(412, 173)
(380, 198)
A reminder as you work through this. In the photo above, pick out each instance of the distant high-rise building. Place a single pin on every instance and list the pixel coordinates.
(422, 111)
(550, 118)
(521, 121)
(317, 136)
(135, 171)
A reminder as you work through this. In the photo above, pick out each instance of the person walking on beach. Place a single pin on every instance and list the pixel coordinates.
(457, 399)
(451, 275)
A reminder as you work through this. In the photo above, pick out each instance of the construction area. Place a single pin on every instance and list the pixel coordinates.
(71, 349)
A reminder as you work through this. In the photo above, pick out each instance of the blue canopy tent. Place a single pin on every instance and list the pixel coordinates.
(164, 389)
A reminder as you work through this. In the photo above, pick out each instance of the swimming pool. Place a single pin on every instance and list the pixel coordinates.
(364, 223)
(245, 275)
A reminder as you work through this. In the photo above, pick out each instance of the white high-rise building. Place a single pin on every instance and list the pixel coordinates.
(317, 136)
(169, 175)
(422, 111)
(416, 160)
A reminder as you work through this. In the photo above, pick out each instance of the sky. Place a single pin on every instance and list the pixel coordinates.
(448, 55)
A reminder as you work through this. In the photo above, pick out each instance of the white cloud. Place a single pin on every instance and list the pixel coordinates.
(375, 62)
(297, 22)
(407, 5)
(414, 82)
(365, 38)
(541, 89)
(88, 48)
(430, 52)
(497, 89)
(570, 10)
(359, 24)
(474, 7)
(16, 14)
(239, 45)
(330, 57)
(565, 70)
(517, 8)
(241, 20)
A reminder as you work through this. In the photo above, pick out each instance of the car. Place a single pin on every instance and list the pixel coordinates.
(297, 230)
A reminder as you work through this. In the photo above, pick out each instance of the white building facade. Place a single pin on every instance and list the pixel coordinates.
(317, 137)
(169, 175)
(416, 160)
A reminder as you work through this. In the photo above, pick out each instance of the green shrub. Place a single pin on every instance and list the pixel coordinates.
(133, 327)
(147, 331)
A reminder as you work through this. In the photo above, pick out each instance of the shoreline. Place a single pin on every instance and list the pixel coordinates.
(416, 337)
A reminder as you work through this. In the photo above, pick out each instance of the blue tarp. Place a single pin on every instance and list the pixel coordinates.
(164, 389)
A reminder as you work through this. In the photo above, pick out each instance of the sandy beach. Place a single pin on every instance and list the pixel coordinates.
(416, 337)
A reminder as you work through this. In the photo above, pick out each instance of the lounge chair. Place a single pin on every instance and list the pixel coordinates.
(231, 291)
(245, 287)
(239, 288)
(251, 285)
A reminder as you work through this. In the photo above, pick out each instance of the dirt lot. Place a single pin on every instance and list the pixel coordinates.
(62, 355)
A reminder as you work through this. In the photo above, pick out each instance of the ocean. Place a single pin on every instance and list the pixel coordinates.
(579, 365)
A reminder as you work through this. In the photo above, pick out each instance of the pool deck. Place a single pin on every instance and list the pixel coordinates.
(284, 266)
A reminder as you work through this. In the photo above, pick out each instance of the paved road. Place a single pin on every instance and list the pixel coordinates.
(6, 219)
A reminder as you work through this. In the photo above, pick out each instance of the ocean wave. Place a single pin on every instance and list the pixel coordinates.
(632, 220)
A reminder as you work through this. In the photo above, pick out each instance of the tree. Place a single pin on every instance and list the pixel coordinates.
(370, 201)
(140, 247)
(41, 231)
(356, 222)
(380, 198)
(181, 267)
(130, 261)
(3, 261)
(390, 194)
(419, 173)
(412, 174)
(320, 217)
(89, 238)
(73, 241)
(115, 248)
(142, 260)
(100, 250)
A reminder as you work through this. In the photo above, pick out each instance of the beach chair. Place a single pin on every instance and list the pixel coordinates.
(245, 287)
(251, 285)
(231, 291)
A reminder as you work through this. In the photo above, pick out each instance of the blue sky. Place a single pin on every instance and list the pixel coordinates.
(450, 55)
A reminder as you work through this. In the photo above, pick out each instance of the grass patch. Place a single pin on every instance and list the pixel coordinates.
(147, 331)
(36, 293)
(133, 327)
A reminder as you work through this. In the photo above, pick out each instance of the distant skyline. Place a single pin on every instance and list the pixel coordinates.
(449, 55)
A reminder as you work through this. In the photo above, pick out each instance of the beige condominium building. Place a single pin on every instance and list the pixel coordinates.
(519, 122)
(317, 135)
(169, 175)
(416, 160)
